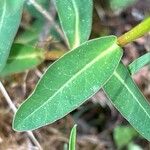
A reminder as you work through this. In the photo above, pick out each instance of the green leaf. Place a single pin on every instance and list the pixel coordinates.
(69, 82)
(123, 135)
(72, 139)
(75, 19)
(21, 58)
(120, 4)
(128, 99)
(136, 65)
(10, 16)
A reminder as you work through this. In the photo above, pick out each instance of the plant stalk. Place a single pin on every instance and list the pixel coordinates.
(135, 33)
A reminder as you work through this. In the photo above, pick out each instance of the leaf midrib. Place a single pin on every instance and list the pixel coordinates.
(23, 57)
(116, 74)
(103, 54)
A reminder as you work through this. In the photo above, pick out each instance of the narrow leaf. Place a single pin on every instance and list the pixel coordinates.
(136, 65)
(75, 19)
(69, 82)
(72, 139)
(128, 99)
(10, 16)
(21, 58)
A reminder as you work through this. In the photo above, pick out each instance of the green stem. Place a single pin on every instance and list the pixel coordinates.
(135, 33)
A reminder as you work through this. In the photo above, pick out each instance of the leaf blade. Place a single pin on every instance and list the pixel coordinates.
(74, 20)
(9, 22)
(136, 65)
(66, 92)
(21, 58)
(128, 99)
(72, 139)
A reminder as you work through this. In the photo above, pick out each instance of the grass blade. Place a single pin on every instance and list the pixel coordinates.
(21, 58)
(72, 139)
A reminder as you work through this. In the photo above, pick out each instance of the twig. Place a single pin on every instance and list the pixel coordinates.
(47, 16)
(5, 94)
(38, 73)
(24, 83)
(100, 11)
(14, 109)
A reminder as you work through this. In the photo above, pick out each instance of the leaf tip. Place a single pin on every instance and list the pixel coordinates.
(18, 123)
(15, 125)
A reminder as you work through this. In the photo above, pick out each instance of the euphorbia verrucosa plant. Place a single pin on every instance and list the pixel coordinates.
(86, 68)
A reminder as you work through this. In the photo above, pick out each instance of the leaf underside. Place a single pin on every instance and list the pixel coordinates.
(69, 82)
(128, 99)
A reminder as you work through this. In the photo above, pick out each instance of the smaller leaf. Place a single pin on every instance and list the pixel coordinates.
(75, 19)
(129, 101)
(10, 16)
(21, 58)
(72, 139)
(136, 65)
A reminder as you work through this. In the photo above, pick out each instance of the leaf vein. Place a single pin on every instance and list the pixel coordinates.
(125, 85)
(77, 36)
(103, 54)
